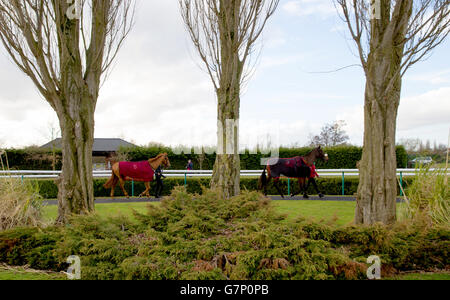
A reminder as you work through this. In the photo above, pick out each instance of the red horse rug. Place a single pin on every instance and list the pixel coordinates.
(137, 171)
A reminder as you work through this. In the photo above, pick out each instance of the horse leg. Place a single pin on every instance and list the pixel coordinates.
(275, 182)
(267, 183)
(300, 186)
(122, 186)
(147, 189)
(112, 190)
(305, 194)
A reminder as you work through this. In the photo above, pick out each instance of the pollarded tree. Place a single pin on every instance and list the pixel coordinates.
(390, 36)
(65, 47)
(224, 32)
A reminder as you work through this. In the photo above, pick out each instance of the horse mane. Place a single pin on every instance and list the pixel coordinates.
(152, 160)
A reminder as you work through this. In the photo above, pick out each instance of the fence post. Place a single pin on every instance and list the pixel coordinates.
(22, 179)
(343, 183)
(289, 186)
(185, 179)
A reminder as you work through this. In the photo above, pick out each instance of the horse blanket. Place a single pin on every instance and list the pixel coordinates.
(293, 167)
(138, 171)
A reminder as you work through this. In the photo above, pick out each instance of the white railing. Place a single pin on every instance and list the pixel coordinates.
(194, 173)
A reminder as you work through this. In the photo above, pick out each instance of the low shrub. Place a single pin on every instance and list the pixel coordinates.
(202, 237)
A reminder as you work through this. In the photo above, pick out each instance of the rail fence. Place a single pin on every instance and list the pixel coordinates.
(203, 173)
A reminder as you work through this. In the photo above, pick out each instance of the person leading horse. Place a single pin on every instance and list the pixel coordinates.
(298, 167)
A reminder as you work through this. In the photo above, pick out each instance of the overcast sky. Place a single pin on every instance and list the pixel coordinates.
(157, 91)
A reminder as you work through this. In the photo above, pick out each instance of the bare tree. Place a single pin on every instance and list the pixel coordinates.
(224, 32)
(390, 36)
(65, 47)
(331, 135)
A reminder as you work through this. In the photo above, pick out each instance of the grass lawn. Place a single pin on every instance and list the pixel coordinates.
(19, 273)
(342, 211)
(422, 276)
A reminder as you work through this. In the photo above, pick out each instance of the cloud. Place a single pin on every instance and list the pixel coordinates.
(424, 116)
(431, 108)
(299, 8)
(435, 78)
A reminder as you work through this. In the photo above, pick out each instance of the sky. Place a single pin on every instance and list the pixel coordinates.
(158, 91)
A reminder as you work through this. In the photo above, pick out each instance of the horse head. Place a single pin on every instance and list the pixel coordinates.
(320, 154)
(165, 162)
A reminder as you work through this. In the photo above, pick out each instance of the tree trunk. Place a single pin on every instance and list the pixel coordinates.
(377, 190)
(76, 193)
(227, 167)
(75, 107)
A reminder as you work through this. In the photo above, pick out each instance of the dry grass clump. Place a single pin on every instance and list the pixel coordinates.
(428, 196)
(20, 203)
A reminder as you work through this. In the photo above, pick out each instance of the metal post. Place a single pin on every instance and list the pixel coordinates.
(343, 183)
(22, 179)
(185, 179)
(401, 183)
(289, 186)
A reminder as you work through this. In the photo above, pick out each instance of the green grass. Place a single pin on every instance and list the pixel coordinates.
(342, 212)
(422, 276)
(318, 210)
(23, 274)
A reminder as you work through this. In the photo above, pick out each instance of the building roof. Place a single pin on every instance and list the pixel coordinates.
(100, 145)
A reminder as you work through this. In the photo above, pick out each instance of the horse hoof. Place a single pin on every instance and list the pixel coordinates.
(321, 195)
(305, 197)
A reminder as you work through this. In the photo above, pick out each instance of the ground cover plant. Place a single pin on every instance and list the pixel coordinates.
(191, 236)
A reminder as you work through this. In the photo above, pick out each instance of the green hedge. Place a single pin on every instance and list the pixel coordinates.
(342, 157)
(33, 159)
(329, 186)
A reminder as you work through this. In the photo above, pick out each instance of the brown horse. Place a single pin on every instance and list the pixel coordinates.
(146, 175)
(296, 167)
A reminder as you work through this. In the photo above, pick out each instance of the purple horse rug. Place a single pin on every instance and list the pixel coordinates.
(138, 171)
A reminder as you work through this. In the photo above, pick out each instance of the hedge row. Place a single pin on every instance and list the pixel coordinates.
(329, 186)
(33, 159)
(342, 157)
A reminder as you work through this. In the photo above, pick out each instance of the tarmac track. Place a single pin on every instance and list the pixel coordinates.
(149, 200)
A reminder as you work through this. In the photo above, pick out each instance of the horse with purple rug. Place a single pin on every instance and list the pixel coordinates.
(298, 167)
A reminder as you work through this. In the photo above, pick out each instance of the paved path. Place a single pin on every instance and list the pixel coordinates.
(147, 200)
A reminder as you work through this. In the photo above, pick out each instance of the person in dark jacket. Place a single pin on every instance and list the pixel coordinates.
(159, 182)
(190, 166)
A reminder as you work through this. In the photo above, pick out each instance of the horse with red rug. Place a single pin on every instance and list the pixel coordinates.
(298, 167)
(138, 171)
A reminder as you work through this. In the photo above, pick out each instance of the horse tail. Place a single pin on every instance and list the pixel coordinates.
(111, 182)
(262, 182)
